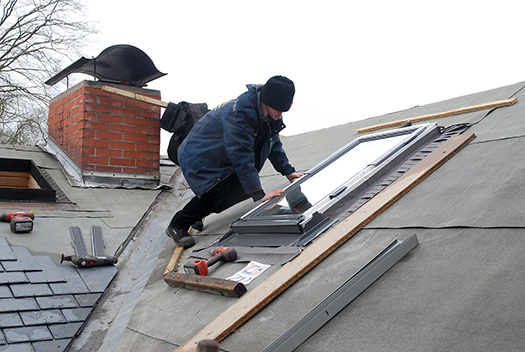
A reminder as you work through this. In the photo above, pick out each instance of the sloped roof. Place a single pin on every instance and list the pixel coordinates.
(40, 279)
(460, 289)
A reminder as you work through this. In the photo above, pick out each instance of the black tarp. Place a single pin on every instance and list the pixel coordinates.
(124, 64)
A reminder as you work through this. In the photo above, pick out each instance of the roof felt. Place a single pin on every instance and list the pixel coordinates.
(460, 289)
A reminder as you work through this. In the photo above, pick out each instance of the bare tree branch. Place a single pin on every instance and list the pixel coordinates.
(35, 36)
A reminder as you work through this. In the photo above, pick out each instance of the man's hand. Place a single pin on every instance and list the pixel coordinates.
(272, 194)
(293, 176)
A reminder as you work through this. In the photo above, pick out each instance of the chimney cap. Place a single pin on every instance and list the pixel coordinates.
(122, 64)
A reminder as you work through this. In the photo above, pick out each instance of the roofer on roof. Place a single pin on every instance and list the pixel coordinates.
(222, 155)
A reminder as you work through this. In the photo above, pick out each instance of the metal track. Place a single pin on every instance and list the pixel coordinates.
(97, 241)
(77, 240)
(342, 296)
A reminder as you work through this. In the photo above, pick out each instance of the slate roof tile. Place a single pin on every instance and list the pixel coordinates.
(6, 252)
(17, 304)
(88, 300)
(31, 290)
(27, 334)
(13, 278)
(24, 262)
(50, 272)
(41, 317)
(44, 306)
(76, 314)
(5, 292)
(97, 278)
(68, 330)
(21, 347)
(58, 301)
(10, 320)
(51, 346)
(74, 284)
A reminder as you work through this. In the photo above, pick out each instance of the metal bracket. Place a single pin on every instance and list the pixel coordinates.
(342, 296)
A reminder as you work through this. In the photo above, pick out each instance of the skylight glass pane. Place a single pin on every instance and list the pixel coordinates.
(323, 183)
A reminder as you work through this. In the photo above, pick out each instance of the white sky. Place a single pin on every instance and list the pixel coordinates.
(349, 60)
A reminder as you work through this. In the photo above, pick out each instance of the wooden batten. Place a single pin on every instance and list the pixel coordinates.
(438, 115)
(18, 180)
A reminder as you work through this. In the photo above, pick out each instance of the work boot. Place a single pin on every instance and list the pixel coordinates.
(181, 236)
(199, 226)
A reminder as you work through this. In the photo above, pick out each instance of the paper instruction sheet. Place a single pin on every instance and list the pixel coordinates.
(250, 272)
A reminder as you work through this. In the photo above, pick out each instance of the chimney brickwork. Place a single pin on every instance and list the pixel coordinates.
(107, 134)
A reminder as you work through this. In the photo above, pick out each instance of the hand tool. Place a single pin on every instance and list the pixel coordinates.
(21, 221)
(81, 257)
(208, 284)
(200, 267)
(88, 261)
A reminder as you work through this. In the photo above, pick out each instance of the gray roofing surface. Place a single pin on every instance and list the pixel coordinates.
(44, 306)
(118, 212)
(460, 289)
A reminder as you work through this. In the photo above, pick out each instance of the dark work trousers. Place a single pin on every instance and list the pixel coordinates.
(226, 193)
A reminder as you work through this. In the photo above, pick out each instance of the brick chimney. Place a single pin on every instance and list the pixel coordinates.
(103, 139)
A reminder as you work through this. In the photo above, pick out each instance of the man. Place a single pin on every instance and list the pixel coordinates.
(224, 152)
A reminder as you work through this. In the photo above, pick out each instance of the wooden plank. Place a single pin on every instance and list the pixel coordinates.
(14, 174)
(13, 182)
(140, 97)
(174, 260)
(256, 299)
(14, 179)
(459, 111)
(177, 255)
(31, 183)
(206, 284)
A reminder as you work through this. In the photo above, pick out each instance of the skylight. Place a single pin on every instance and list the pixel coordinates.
(21, 180)
(328, 181)
(313, 203)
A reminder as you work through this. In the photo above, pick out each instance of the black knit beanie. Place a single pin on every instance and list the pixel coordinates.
(278, 93)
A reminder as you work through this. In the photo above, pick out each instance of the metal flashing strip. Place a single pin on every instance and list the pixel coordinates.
(70, 167)
(77, 241)
(342, 296)
(97, 242)
(87, 179)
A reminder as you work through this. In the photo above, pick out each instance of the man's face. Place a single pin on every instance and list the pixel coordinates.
(274, 114)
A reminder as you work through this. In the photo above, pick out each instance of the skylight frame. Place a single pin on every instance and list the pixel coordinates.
(258, 222)
(44, 192)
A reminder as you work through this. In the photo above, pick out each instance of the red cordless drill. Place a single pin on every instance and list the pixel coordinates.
(21, 221)
(200, 267)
